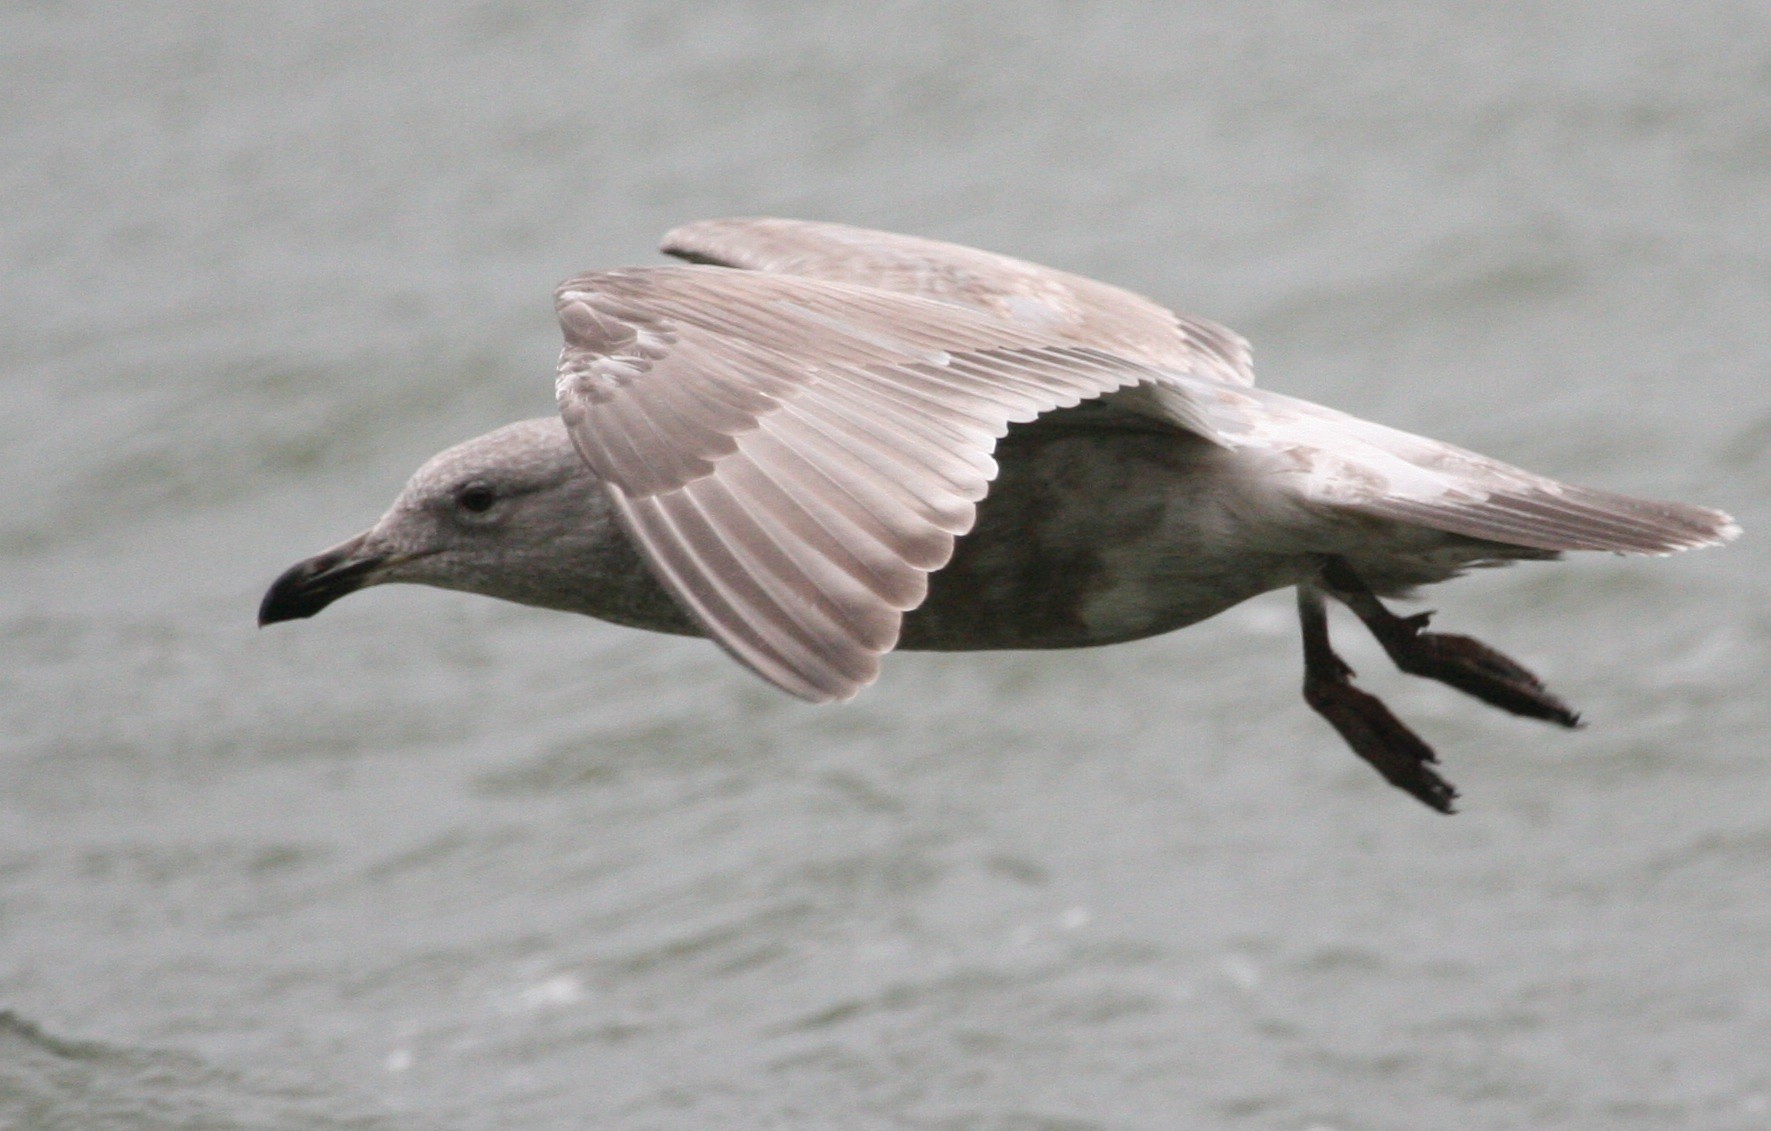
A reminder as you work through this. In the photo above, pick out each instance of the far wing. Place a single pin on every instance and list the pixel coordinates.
(794, 457)
(1052, 303)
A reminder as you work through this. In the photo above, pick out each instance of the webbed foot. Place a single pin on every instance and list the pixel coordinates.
(1374, 733)
(1456, 661)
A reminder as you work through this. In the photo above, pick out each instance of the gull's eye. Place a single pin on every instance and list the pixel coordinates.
(476, 497)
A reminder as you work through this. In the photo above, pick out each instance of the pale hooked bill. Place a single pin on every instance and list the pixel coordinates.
(819, 443)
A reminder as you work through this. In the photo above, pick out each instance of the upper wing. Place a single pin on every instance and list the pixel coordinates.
(1055, 304)
(793, 456)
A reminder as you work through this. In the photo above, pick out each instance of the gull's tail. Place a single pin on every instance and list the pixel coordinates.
(1338, 461)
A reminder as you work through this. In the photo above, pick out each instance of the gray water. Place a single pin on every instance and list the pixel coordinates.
(433, 862)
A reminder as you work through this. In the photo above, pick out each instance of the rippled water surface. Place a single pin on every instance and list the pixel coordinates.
(431, 861)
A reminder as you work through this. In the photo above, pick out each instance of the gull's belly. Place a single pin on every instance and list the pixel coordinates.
(1096, 536)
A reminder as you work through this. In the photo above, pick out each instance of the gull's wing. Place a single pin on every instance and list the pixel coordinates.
(794, 456)
(1055, 304)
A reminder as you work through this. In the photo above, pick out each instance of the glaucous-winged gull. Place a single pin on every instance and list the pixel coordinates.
(818, 443)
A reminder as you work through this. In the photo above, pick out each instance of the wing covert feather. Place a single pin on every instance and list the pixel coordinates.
(1056, 304)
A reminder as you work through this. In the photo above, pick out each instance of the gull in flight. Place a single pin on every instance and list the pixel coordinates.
(815, 443)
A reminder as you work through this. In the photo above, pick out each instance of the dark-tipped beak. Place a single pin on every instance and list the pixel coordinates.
(309, 586)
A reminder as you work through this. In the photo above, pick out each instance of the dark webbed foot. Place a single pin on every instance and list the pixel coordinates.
(1457, 661)
(1376, 735)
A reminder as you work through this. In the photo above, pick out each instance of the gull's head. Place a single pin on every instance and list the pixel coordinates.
(514, 514)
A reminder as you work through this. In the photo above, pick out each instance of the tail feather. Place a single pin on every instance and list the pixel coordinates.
(1343, 463)
(1558, 517)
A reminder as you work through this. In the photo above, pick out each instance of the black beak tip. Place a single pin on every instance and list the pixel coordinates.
(309, 586)
(290, 597)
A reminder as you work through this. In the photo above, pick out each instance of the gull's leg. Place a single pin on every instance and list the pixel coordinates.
(1368, 726)
(1466, 664)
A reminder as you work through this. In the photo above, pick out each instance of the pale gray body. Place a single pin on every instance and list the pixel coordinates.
(858, 441)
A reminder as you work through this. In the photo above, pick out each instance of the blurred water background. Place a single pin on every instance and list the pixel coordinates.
(430, 861)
